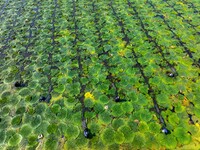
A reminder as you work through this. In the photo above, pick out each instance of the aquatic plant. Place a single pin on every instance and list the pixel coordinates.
(99, 74)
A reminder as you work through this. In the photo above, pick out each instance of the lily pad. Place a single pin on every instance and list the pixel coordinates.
(104, 99)
(139, 140)
(60, 88)
(128, 133)
(17, 120)
(143, 126)
(127, 107)
(52, 128)
(24, 92)
(105, 117)
(81, 141)
(116, 123)
(119, 137)
(52, 142)
(117, 110)
(25, 130)
(182, 135)
(169, 141)
(108, 136)
(15, 139)
(36, 121)
(55, 108)
(72, 131)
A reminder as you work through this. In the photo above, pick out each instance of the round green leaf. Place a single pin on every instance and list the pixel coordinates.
(139, 140)
(88, 102)
(52, 128)
(127, 107)
(132, 95)
(104, 99)
(143, 127)
(108, 136)
(94, 127)
(128, 133)
(114, 147)
(51, 143)
(145, 115)
(55, 108)
(25, 130)
(81, 141)
(173, 119)
(24, 92)
(15, 139)
(98, 107)
(116, 123)
(105, 117)
(21, 110)
(182, 135)
(72, 131)
(163, 100)
(154, 127)
(42, 128)
(36, 121)
(60, 88)
(62, 114)
(32, 140)
(151, 141)
(116, 110)
(5, 110)
(169, 141)
(119, 137)
(40, 108)
(16, 120)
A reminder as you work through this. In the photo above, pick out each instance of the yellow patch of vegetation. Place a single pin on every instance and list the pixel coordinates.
(55, 98)
(121, 52)
(65, 32)
(89, 95)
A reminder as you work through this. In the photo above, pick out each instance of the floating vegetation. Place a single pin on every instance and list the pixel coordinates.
(99, 74)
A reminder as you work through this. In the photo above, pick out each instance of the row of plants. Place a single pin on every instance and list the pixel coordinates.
(196, 75)
(146, 79)
(183, 24)
(170, 46)
(191, 6)
(26, 97)
(175, 36)
(7, 28)
(158, 110)
(108, 120)
(187, 20)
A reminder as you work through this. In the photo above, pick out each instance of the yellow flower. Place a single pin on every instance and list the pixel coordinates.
(196, 124)
(89, 95)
